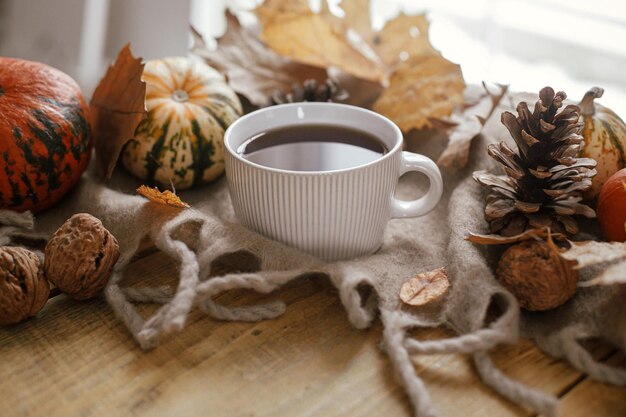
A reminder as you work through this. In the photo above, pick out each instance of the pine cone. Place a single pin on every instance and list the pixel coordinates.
(330, 90)
(544, 179)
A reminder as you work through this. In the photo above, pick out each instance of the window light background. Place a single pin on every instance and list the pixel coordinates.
(569, 44)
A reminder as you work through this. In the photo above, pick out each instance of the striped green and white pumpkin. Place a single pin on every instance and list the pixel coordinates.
(605, 140)
(189, 107)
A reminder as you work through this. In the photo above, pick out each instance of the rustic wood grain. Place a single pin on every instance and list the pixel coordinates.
(591, 398)
(76, 359)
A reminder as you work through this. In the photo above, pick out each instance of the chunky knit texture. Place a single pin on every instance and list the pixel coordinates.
(367, 287)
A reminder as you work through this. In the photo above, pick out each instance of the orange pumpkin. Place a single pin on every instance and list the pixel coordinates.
(612, 207)
(45, 139)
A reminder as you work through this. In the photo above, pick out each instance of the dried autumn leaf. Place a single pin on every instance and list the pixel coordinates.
(425, 288)
(466, 123)
(504, 240)
(362, 93)
(422, 88)
(252, 69)
(293, 30)
(349, 43)
(400, 54)
(592, 252)
(166, 197)
(117, 107)
(403, 37)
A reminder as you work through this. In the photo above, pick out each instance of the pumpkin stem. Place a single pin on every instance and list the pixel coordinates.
(587, 107)
(180, 96)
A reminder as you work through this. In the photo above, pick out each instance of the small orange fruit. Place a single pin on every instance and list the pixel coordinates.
(612, 207)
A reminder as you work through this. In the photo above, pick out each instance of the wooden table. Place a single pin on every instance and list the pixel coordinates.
(76, 359)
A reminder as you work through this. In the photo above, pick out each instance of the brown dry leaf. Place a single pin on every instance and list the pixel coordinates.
(592, 252)
(422, 88)
(503, 240)
(425, 288)
(400, 54)
(166, 197)
(362, 93)
(117, 107)
(252, 69)
(466, 123)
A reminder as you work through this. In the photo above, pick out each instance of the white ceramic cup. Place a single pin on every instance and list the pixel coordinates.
(336, 214)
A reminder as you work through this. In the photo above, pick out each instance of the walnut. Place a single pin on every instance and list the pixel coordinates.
(80, 256)
(537, 275)
(23, 288)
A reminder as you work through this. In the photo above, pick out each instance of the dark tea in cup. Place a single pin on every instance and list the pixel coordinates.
(313, 147)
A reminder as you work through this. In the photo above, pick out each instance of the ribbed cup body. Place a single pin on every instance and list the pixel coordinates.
(331, 214)
(336, 215)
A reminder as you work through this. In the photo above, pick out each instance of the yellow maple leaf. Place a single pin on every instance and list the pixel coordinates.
(422, 87)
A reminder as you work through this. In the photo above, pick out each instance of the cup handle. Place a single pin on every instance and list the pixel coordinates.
(427, 202)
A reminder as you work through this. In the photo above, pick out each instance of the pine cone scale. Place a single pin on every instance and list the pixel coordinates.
(545, 126)
(568, 114)
(515, 129)
(546, 95)
(526, 207)
(529, 140)
(570, 224)
(539, 221)
(539, 173)
(499, 208)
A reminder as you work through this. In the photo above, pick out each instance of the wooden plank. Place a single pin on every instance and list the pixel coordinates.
(453, 376)
(77, 359)
(592, 398)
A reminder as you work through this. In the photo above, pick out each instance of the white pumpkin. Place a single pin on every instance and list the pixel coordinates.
(182, 140)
